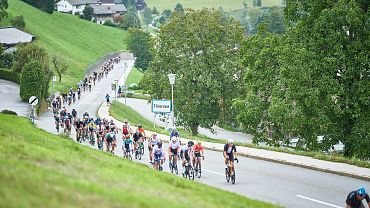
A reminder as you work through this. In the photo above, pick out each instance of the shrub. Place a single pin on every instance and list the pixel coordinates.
(32, 80)
(18, 22)
(109, 23)
(9, 112)
(9, 75)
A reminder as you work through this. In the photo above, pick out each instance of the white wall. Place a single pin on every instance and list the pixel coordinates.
(78, 9)
(64, 6)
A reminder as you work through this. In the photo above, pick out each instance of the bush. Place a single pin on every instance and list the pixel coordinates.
(9, 112)
(18, 22)
(32, 80)
(109, 23)
(9, 75)
(7, 59)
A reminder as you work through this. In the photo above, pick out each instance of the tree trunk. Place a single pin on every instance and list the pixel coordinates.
(60, 77)
(194, 129)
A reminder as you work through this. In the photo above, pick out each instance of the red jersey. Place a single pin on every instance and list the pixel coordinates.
(197, 148)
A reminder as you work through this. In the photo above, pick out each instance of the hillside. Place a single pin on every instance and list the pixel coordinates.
(80, 42)
(38, 169)
(196, 4)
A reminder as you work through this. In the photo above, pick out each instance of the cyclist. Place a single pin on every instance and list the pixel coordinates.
(173, 149)
(141, 129)
(57, 122)
(153, 141)
(74, 115)
(100, 135)
(107, 97)
(92, 128)
(137, 137)
(175, 133)
(112, 126)
(185, 154)
(85, 115)
(128, 126)
(78, 127)
(110, 141)
(198, 152)
(106, 125)
(126, 130)
(354, 198)
(67, 122)
(127, 144)
(230, 153)
(158, 155)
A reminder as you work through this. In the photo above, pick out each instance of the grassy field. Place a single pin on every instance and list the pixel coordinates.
(122, 112)
(134, 76)
(78, 41)
(39, 169)
(197, 4)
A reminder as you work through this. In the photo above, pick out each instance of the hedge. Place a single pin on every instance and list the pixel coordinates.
(9, 75)
(32, 80)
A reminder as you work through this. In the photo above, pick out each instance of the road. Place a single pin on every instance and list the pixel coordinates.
(144, 109)
(286, 185)
(10, 100)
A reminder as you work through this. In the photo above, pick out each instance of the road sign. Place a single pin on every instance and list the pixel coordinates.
(33, 100)
(54, 78)
(161, 106)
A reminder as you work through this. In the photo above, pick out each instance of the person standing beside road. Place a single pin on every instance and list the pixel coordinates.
(107, 97)
(354, 198)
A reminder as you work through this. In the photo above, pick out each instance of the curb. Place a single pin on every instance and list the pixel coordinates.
(284, 162)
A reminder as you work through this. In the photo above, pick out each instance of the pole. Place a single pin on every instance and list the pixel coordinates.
(173, 109)
(124, 79)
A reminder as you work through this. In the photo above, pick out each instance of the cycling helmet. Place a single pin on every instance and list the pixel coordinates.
(139, 126)
(159, 144)
(230, 141)
(361, 191)
(190, 143)
(199, 142)
(173, 139)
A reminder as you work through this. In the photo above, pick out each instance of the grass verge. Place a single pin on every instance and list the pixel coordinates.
(134, 76)
(122, 112)
(50, 171)
(78, 41)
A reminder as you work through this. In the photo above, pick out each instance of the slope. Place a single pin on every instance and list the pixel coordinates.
(78, 41)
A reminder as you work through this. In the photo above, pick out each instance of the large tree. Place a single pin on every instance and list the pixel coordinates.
(139, 43)
(60, 66)
(147, 14)
(312, 81)
(131, 19)
(88, 12)
(202, 48)
(44, 5)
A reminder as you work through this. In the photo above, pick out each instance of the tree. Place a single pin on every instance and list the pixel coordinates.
(131, 19)
(202, 48)
(155, 11)
(179, 8)
(32, 78)
(148, 17)
(3, 7)
(139, 43)
(257, 3)
(88, 12)
(44, 5)
(60, 66)
(18, 22)
(274, 20)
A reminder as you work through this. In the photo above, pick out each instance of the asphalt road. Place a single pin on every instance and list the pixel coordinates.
(272, 182)
(10, 100)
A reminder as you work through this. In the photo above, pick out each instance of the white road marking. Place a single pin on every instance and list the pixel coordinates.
(211, 171)
(318, 201)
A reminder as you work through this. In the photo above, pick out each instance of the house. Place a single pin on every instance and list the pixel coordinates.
(11, 36)
(105, 12)
(74, 6)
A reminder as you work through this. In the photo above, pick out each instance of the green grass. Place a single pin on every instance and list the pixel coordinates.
(134, 76)
(78, 41)
(122, 112)
(196, 4)
(39, 169)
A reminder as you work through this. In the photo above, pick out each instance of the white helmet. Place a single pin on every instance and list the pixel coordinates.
(173, 139)
(230, 141)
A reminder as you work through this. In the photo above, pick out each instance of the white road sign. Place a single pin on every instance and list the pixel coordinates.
(33, 100)
(54, 78)
(161, 106)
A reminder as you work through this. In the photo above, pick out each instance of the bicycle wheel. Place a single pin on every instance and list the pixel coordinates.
(142, 148)
(139, 155)
(191, 173)
(227, 175)
(176, 170)
(199, 170)
(233, 178)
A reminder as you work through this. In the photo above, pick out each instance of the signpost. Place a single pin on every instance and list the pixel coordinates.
(33, 101)
(115, 88)
(52, 89)
(161, 106)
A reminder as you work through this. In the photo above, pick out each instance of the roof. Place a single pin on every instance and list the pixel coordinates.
(109, 9)
(82, 2)
(12, 36)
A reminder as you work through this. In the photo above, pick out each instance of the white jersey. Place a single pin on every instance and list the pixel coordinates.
(174, 145)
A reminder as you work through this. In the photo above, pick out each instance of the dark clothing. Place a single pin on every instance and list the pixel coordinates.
(229, 151)
(354, 202)
(137, 136)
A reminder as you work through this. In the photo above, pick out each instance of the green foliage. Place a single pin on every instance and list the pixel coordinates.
(88, 12)
(131, 19)
(44, 5)
(9, 112)
(201, 47)
(109, 23)
(179, 8)
(257, 3)
(139, 43)
(79, 42)
(32, 80)
(311, 81)
(6, 58)
(155, 11)
(3, 7)
(60, 66)
(148, 17)
(274, 20)
(18, 22)
(9, 75)
(134, 77)
(27, 52)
